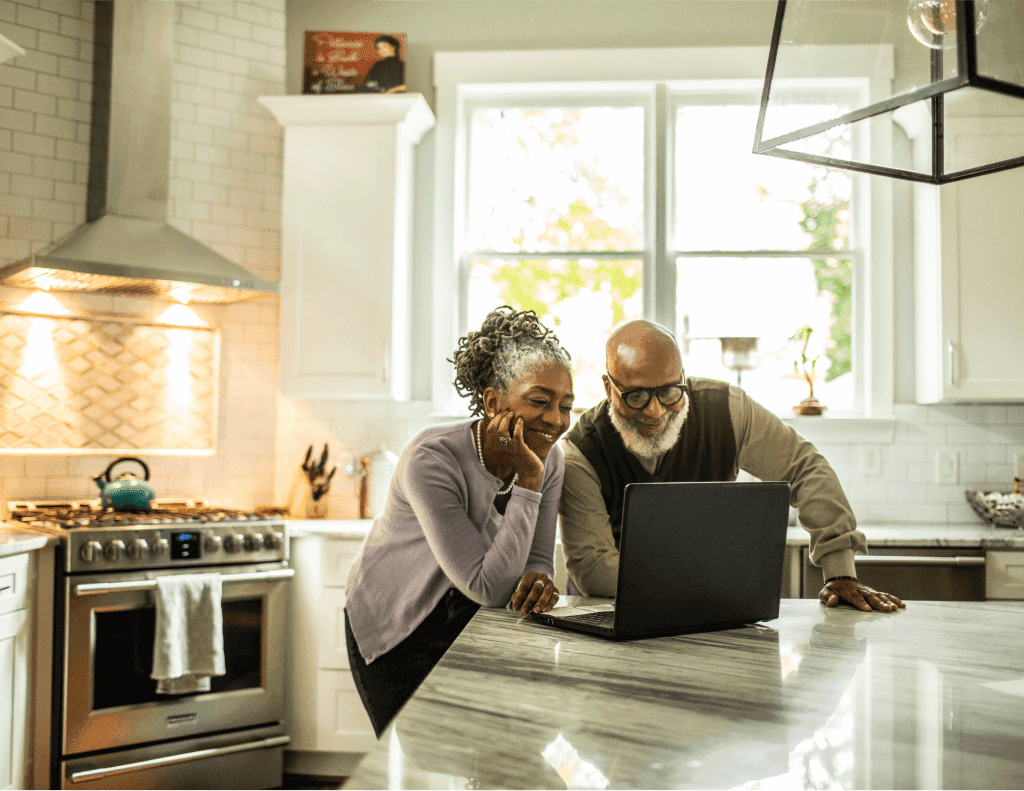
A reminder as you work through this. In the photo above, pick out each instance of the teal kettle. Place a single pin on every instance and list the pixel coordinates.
(127, 492)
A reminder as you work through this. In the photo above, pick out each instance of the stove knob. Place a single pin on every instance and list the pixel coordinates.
(159, 547)
(114, 549)
(90, 551)
(212, 543)
(272, 540)
(233, 543)
(137, 548)
(254, 542)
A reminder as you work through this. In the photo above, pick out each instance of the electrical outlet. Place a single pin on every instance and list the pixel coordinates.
(1018, 466)
(947, 467)
(870, 460)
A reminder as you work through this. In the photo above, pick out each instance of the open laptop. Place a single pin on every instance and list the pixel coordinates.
(693, 557)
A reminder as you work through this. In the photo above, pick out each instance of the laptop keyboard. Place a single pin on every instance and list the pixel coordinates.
(595, 618)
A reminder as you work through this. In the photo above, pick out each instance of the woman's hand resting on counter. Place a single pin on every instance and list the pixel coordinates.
(536, 593)
(859, 595)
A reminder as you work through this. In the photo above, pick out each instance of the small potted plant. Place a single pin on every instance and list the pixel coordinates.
(805, 368)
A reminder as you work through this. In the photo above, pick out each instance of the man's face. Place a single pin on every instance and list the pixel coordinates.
(649, 367)
(385, 50)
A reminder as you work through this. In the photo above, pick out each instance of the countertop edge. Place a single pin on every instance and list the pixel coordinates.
(348, 529)
(927, 534)
(17, 540)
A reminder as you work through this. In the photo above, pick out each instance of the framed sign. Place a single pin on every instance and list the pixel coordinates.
(343, 62)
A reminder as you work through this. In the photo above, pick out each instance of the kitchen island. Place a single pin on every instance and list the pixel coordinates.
(928, 697)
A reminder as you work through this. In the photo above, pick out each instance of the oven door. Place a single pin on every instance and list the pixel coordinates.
(110, 701)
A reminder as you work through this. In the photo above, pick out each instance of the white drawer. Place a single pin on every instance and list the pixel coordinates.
(332, 651)
(335, 558)
(14, 582)
(1004, 575)
(342, 724)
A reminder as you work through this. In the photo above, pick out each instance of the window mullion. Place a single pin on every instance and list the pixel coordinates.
(659, 272)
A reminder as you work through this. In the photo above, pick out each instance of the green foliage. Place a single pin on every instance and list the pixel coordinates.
(537, 285)
(805, 366)
(825, 219)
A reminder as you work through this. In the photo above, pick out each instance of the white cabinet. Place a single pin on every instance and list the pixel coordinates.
(1004, 574)
(15, 628)
(969, 281)
(325, 714)
(346, 257)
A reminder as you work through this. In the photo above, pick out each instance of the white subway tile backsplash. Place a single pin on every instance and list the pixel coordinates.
(39, 19)
(34, 102)
(946, 413)
(73, 152)
(52, 210)
(215, 41)
(37, 145)
(19, 121)
(58, 127)
(75, 110)
(199, 19)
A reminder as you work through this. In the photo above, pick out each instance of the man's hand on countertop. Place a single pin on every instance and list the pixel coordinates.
(860, 596)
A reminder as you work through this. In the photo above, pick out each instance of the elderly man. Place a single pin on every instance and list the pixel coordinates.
(657, 425)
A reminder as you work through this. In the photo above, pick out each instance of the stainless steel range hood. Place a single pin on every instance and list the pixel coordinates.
(126, 246)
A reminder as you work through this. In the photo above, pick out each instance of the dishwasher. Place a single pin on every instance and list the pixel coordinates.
(912, 573)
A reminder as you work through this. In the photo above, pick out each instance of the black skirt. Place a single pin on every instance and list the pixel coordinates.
(385, 685)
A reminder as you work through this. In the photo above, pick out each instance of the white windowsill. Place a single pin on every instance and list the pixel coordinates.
(841, 428)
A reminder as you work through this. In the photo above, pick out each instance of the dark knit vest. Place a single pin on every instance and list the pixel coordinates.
(706, 450)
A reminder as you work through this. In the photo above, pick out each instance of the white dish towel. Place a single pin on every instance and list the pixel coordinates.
(189, 644)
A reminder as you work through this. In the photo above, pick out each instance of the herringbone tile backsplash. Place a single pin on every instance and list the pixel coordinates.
(102, 384)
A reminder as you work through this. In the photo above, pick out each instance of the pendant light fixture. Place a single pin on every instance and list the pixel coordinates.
(950, 73)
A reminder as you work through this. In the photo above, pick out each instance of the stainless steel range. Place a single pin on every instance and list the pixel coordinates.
(111, 727)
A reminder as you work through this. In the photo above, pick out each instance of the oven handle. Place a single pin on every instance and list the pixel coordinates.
(95, 774)
(89, 588)
(915, 560)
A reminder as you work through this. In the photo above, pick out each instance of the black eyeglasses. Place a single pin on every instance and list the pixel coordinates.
(641, 396)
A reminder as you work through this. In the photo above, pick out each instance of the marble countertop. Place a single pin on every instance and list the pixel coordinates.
(928, 535)
(15, 539)
(928, 697)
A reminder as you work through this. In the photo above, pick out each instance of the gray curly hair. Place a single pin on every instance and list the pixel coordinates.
(507, 343)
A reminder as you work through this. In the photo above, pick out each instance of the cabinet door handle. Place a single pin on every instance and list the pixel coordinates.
(918, 560)
(952, 359)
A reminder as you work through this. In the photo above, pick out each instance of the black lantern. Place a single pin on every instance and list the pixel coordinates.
(950, 73)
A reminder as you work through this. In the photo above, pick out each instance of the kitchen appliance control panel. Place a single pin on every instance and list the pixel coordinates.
(143, 547)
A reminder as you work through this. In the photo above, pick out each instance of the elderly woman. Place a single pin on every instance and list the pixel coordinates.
(470, 517)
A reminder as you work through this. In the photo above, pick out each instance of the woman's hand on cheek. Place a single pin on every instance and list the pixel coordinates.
(536, 593)
(514, 455)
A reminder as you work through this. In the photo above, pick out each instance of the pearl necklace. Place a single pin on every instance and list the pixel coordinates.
(480, 453)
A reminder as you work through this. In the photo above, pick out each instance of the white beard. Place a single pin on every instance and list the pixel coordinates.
(649, 448)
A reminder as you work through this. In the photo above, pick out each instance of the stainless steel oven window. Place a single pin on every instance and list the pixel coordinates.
(123, 654)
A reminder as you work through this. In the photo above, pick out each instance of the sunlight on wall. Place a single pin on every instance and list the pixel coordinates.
(40, 354)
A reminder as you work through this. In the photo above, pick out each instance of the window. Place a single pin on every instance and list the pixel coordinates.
(555, 222)
(593, 202)
(762, 252)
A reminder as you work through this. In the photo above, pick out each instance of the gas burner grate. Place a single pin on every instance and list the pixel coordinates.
(73, 513)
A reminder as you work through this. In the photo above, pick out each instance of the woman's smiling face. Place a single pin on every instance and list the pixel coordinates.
(542, 396)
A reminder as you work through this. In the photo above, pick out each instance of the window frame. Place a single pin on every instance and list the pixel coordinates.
(463, 79)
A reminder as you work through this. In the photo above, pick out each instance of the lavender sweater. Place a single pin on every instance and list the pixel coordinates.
(439, 529)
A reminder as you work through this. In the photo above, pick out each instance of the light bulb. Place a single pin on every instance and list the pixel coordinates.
(933, 22)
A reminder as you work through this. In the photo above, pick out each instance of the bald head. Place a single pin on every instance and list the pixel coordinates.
(643, 350)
